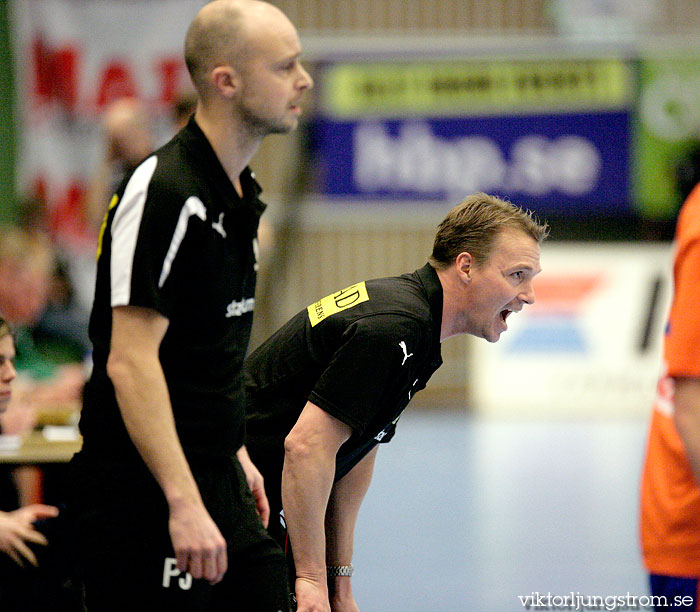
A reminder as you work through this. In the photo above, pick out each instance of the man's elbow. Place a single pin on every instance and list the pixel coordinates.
(117, 368)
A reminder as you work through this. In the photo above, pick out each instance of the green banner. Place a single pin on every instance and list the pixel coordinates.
(668, 128)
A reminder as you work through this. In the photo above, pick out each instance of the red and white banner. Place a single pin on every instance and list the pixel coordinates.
(74, 57)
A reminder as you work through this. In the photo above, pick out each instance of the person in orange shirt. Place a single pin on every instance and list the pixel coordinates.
(670, 487)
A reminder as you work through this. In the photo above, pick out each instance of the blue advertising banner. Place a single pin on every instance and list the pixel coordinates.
(550, 135)
(566, 163)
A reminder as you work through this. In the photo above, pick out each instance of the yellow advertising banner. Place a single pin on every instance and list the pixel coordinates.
(475, 88)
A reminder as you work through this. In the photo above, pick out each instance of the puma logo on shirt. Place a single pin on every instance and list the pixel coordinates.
(406, 354)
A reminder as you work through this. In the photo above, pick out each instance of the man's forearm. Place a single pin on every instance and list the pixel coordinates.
(307, 479)
(144, 403)
(142, 394)
(343, 508)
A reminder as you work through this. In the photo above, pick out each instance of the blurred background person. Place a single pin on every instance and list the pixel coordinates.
(670, 492)
(183, 109)
(49, 357)
(128, 136)
(25, 584)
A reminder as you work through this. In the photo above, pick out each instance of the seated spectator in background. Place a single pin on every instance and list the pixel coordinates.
(128, 138)
(29, 287)
(72, 286)
(17, 527)
(22, 588)
(49, 362)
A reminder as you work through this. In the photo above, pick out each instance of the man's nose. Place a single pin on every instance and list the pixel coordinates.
(528, 295)
(306, 82)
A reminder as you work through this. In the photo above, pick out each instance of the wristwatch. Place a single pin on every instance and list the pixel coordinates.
(339, 570)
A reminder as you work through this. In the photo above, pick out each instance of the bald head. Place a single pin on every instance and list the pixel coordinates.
(220, 35)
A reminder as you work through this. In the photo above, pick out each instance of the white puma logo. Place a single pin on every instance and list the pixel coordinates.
(219, 225)
(406, 354)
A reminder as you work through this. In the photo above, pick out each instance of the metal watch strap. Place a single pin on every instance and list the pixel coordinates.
(339, 570)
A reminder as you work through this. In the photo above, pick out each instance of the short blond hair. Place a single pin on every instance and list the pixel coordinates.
(473, 225)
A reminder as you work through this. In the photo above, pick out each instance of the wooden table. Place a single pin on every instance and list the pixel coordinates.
(40, 447)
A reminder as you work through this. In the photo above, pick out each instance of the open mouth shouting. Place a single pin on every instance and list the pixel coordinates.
(505, 313)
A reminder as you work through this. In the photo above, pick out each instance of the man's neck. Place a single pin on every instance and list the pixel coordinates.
(233, 145)
(452, 296)
(446, 324)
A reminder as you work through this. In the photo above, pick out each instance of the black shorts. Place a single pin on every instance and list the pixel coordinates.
(126, 556)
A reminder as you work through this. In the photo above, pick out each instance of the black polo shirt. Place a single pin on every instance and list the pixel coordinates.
(360, 354)
(179, 240)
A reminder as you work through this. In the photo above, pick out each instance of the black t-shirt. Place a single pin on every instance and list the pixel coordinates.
(179, 240)
(359, 354)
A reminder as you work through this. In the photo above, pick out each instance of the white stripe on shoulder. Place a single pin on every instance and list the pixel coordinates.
(125, 230)
(193, 206)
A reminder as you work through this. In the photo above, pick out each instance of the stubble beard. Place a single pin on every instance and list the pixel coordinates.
(262, 126)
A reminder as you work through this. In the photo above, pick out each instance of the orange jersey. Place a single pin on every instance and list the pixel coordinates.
(670, 494)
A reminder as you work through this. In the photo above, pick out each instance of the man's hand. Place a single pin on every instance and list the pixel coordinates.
(256, 485)
(312, 595)
(200, 549)
(17, 530)
(345, 605)
(341, 596)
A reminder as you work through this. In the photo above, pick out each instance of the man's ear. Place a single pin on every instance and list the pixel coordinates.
(225, 80)
(465, 266)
